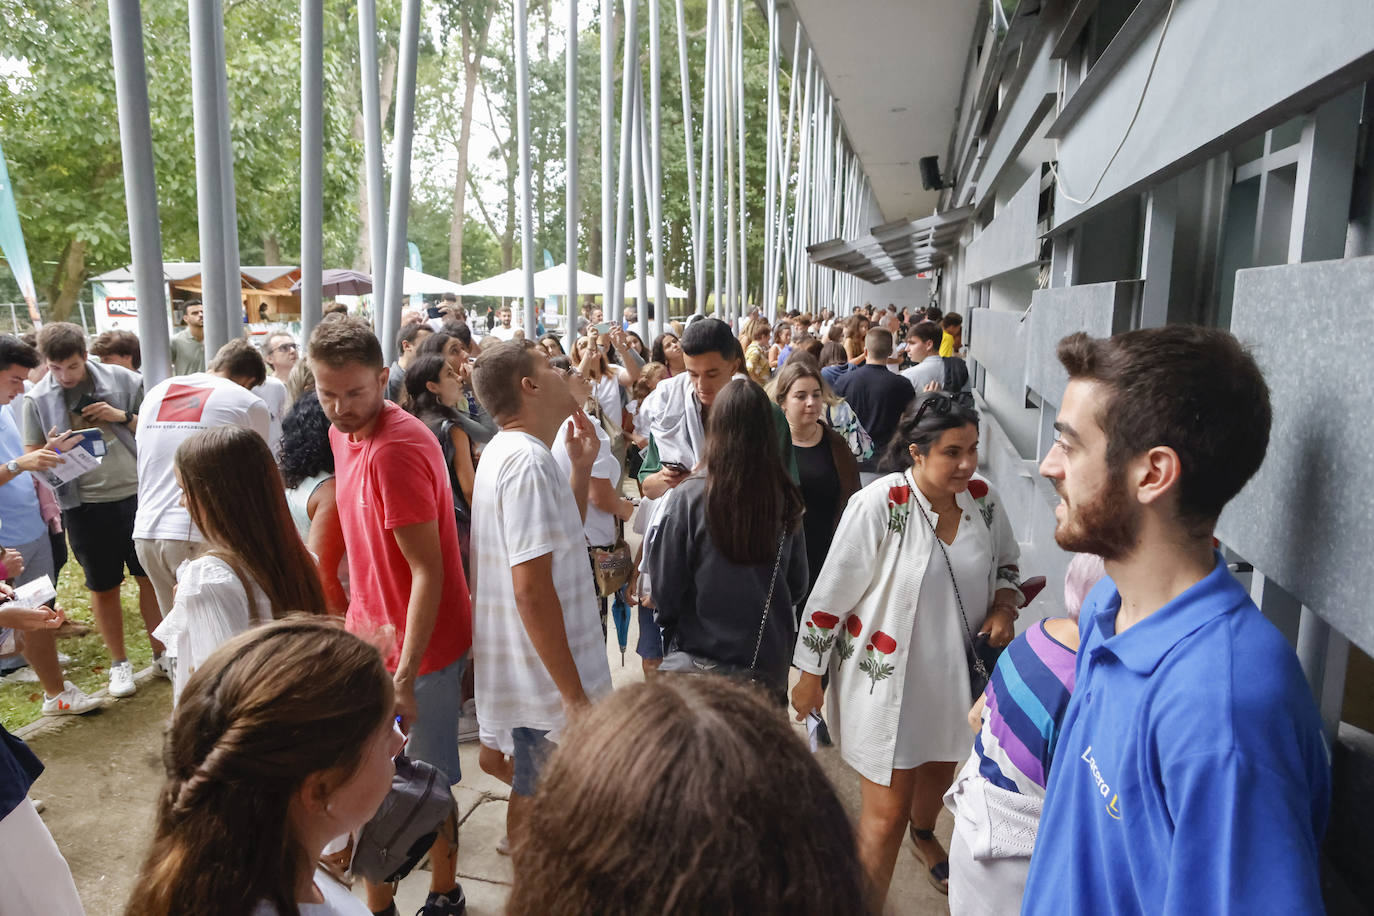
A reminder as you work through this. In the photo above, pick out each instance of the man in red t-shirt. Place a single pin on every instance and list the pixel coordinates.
(409, 594)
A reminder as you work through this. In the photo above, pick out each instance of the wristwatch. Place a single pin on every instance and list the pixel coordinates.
(13, 467)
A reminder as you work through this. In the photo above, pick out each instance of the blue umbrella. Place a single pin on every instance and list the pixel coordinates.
(620, 613)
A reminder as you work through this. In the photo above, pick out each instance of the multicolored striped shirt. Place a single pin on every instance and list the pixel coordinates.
(1026, 699)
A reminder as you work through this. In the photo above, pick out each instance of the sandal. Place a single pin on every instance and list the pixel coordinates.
(938, 873)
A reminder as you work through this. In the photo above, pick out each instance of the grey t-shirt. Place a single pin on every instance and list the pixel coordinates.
(188, 354)
(117, 476)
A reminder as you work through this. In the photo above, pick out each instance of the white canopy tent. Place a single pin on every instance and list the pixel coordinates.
(553, 281)
(414, 283)
(508, 285)
(632, 288)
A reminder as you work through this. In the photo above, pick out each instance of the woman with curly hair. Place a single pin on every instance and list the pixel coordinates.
(307, 470)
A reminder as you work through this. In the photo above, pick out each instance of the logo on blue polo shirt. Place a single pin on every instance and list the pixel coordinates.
(1102, 787)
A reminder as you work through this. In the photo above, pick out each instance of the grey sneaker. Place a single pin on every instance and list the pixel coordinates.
(122, 679)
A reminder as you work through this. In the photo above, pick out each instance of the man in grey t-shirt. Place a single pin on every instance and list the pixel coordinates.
(188, 346)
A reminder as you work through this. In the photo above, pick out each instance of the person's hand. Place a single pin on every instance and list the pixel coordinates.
(464, 373)
(13, 563)
(39, 460)
(999, 625)
(660, 482)
(860, 359)
(619, 340)
(581, 441)
(61, 442)
(931, 386)
(975, 714)
(6, 591)
(101, 412)
(808, 695)
(624, 509)
(31, 618)
(407, 710)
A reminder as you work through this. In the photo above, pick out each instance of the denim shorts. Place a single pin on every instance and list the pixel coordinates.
(532, 750)
(650, 643)
(434, 736)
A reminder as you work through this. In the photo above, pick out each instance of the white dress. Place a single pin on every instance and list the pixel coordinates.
(933, 722)
(211, 607)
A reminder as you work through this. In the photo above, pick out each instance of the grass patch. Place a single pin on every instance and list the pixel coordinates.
(89, 668)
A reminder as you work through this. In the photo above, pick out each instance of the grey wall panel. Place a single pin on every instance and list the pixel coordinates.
(1010, 241)
(1034, 98)
(997, 340)
(1304, 520)
(1101, 309)
(1227, 68)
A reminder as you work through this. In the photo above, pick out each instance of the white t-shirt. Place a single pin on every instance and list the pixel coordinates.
(600, 525)
(337, 900)
(523, 508)
(606, 390)
(174, 411)
(501, 333)
(930, 369)
(273, 394)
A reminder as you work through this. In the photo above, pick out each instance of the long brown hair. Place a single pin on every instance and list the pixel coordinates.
(267, 709)
(235, 497)
(685, 795)
(749, 492)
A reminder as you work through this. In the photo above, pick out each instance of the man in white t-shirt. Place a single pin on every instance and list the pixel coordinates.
(172, 412)
(538, 650)
(503, 329)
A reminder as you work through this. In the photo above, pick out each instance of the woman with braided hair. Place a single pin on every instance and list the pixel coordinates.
(284, 739)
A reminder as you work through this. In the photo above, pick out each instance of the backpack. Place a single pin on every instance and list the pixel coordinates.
(955, 382)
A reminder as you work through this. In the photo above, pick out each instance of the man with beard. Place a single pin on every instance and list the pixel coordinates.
(1190, 773)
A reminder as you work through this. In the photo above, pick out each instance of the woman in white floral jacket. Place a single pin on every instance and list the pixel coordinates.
(890, 619)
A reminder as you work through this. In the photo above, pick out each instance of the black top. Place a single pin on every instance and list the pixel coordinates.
(878, 398)
(710, 606)
(18, 769)
(820, 486)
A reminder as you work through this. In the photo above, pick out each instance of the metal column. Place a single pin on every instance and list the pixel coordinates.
(205, 22)
(629, 65)
(312, 163)
(639, 185)
(570, 248)
(522, 106)
(140, 187)
(234, 313)
(655, 157)
(608, 238)
(372, 153)
(693, 211)
(403, 132)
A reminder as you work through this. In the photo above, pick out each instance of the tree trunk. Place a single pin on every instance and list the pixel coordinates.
(271, 250)
(472, 69)
(67, 280)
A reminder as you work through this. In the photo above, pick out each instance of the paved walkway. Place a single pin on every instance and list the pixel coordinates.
(104, 771)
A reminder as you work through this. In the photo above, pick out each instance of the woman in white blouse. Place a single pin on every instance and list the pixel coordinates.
(254, 567)
(923, 563)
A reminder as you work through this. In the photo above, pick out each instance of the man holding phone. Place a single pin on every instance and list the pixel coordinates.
(98, 508)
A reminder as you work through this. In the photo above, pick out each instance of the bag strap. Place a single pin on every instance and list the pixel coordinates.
(768, 602)
(978, 665)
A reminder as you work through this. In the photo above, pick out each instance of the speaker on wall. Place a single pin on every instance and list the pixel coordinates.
(930, 173)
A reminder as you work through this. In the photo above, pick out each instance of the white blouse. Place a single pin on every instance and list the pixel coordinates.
(861, 620)
(211, 607)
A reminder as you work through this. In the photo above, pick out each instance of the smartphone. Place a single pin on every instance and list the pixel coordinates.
(433, 312)
(603, 328)
(86, 401)
(677, 466)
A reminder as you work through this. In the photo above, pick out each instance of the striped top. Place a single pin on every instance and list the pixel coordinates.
(1026, 699)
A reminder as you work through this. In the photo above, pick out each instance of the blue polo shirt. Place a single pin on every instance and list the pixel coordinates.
(21, 522)
(1191, 775)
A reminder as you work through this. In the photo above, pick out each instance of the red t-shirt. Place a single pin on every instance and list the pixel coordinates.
(393, 478)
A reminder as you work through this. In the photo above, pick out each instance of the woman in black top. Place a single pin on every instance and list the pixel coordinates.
(729, 531)
(434, 389)
(828, 473)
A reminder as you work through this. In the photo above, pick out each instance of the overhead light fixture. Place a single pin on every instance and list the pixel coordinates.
(898, 110)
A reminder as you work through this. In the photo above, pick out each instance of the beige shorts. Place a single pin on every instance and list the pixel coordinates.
(160, 559)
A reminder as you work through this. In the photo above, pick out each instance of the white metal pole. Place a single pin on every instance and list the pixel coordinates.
(655, 157)
(717, 58)
(705, 212)
(728, 101)
(372, 153)
(770, 305)
(312, 163)
(402, 135)
(743, 282)
(608, 237)
(522, 113)
(571, 189)
(629, 65)
(229, 230)
(693, 211)
(640, 183)
(205, 21)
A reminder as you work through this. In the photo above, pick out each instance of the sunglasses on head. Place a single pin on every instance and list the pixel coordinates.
(937, 402)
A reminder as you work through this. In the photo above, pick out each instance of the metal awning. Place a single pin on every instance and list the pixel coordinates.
(895, 250)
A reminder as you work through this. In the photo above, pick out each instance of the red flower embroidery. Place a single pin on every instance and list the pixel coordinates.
(824, 621)
(977, 488)
(884, 643)
(898, 496)
(854, 626)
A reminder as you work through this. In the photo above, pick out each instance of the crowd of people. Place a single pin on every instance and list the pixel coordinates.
(340, 561)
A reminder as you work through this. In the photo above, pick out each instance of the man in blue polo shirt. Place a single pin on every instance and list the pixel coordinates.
(1191, 773)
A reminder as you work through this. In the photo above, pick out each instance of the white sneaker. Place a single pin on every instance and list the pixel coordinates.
(70, 702)
(122, 679)
(162, 667)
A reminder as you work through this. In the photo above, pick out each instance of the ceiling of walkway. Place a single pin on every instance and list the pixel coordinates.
(895, 68)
